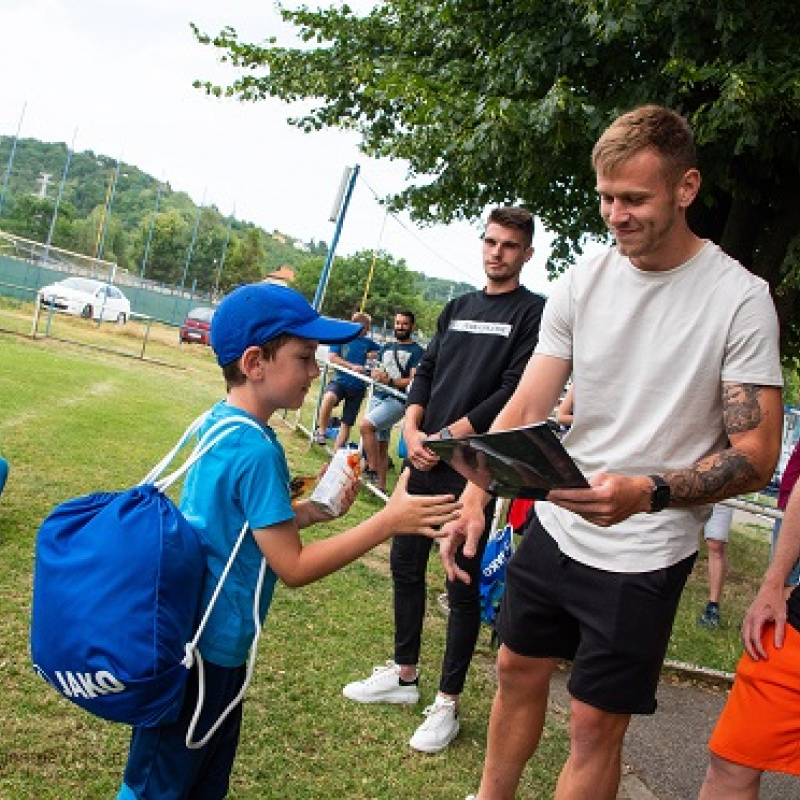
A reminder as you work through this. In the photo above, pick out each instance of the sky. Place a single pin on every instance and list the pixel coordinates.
(117, 77)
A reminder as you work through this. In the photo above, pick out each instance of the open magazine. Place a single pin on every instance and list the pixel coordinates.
(521, 462)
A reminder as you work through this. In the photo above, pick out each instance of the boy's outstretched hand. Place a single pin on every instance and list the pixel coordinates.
(422, 514)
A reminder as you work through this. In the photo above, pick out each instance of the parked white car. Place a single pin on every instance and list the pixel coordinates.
(87, 298)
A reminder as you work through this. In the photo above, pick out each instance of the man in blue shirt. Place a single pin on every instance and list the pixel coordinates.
(352, 356)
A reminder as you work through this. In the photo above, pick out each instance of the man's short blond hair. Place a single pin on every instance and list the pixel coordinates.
(649, 127)
(362, 318)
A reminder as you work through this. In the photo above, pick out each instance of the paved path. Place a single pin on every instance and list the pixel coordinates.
(665, 754)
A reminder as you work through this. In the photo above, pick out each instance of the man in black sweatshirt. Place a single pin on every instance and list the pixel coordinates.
(482, 343)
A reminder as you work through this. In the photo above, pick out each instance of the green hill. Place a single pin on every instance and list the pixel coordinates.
(133, 225)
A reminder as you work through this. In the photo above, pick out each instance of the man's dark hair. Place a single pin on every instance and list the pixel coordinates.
(406, 313)
(513, 217)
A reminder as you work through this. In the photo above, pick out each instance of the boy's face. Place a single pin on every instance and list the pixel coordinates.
(289, 375)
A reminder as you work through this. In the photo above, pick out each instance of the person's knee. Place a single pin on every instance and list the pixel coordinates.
(518, 674)
(593, 730)
(716, 547)
(329, 401)
(726, 777)
(366, 428)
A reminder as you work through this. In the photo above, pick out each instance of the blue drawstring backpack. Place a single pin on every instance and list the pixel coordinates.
(116, 597)
(499, 549)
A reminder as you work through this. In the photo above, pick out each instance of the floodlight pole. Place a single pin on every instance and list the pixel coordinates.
(224, 253)
(337, 214)
(150, 232)
(192, 242)
(61, 185)
(11, 157)
(106, 213)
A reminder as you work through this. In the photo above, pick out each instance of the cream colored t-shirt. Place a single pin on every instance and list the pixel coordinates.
(650, 351)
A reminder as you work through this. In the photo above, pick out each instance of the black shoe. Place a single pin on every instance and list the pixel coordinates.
(710, 617)
(370, 475)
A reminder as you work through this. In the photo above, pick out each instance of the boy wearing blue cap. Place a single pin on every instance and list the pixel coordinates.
(265, 339)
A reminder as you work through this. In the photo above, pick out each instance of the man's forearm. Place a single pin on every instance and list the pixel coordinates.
(717, 477)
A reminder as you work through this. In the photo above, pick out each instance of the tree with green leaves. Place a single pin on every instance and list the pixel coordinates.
(387, 284)
(244, 261)
(29, 216)
(500, 101)
(168, 245)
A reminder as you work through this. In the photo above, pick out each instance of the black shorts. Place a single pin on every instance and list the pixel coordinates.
(352, 396)
(613, 626)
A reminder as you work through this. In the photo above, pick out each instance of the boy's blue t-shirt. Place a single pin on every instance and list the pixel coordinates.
(243, 478)
(356, 353)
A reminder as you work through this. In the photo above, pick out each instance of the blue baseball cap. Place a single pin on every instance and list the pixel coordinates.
(251, 315)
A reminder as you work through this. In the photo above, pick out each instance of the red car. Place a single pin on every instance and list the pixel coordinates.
(196, 328)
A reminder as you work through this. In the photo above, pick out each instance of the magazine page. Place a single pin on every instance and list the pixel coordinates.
(523, 462)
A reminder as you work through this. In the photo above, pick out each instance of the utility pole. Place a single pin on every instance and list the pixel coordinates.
(44, 182)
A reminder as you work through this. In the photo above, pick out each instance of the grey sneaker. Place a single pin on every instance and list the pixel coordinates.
(439, 729)
(318, 437)
(383, 686)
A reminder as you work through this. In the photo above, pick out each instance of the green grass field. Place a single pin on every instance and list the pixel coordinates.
(75, 419)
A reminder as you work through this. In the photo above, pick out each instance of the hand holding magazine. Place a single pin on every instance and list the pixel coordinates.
(522, 462)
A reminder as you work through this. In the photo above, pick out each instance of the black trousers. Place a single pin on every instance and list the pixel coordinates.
(409, 563)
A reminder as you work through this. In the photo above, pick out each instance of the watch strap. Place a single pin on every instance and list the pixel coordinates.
(660, 495)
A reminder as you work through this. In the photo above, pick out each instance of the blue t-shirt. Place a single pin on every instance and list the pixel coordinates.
(408, 356)
(243, 478)
(356, 353)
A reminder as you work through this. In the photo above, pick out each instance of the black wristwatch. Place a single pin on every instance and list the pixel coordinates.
(445, 433)
(659, 497)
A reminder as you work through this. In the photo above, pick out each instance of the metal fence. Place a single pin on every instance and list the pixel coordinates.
(26, 266)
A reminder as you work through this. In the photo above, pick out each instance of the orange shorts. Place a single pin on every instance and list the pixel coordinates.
(760, 724)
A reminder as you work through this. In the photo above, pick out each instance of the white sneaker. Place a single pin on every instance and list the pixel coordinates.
(440, 727)
(383, 686)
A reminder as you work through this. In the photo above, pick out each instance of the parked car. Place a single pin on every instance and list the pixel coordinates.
(87, 298)
(197, 326)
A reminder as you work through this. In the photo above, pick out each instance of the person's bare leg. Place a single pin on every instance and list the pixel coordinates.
(594, 766)
(516, 721)
(717, 568)
(343, 436)
(329, 401)
(383, 464)
(370, 442)
(726, 780)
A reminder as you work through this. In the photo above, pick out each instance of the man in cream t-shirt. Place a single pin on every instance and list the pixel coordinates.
(673, 351)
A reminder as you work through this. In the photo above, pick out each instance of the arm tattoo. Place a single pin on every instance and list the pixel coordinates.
(741, 410)
(714, 478)
(728, 472)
